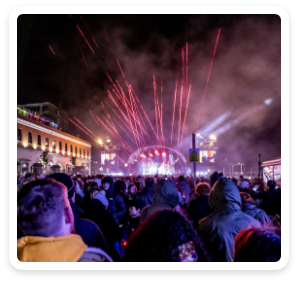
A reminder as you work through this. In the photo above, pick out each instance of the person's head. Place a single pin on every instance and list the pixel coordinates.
(181, 178)
(258, 245)
(168, 237)
(225, 196)
(28, 174)
(271, 184)
(139, 179)
(241, 177)
(246, 198)
(67, 181)
(120, 186)
(165, 193)
(234, 180)
(245, 184)
(203, 188)
(107, 183)
(214, 177)
(149, 182)
(43, 209)
(132, 188)
(92, 185)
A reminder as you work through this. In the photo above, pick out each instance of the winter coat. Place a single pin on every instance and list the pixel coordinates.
(165, 197)
(67, 248)
(116, 203)
(88, 230)
(198, 209)
(94, 210)
(145, 197)
(271, 201)
(256, 213)
(184, 188)
(220, 228)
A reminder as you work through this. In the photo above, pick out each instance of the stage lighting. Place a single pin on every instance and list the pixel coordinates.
(212, 137)
(164, 154)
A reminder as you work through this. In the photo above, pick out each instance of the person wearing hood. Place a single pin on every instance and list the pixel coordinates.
(184, 188)
(116, 203)
(46, 219)
(249, 207)
(214, 177)
(145, 197)
(220, 228)
(165, 198)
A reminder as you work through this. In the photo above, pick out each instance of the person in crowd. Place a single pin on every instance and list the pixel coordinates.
(87, 229)
(100, 195)
(145, 197)
(165, 237)
(249, 207)
(98, 180)
(240, 180)
(116, 203)
(140, 183)
(199, 208)
(131, 195)
(244, 186)
(45, 217)
(184, 188)
(271, 199)
(120, 188)
(214, 177)
(220, 228)
(258, 245)
(165, 197)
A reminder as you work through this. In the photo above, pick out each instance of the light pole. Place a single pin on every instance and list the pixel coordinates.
(241, 168)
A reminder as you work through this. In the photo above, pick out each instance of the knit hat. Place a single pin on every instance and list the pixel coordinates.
(66, 180)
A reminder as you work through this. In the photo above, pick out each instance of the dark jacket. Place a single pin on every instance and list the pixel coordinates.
(184, 188)
(256, 213)
(165, 197)
(220, 228)
(88, 230)
(94, 210)
(271, 200)
(145, 197)
(198, 209)
(116, 203)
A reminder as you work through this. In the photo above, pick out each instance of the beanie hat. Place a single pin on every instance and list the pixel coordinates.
(214, 177)
(101, 196)
(66, 180)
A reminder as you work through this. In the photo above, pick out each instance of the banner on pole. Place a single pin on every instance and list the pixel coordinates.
(194, 155)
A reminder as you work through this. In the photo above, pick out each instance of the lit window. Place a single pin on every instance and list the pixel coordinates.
(30, 137)
(19, 134)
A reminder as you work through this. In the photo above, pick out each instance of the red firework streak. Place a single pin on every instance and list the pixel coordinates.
(155, 106)
(208, 76)
(85, 127)
(180, 109)
(174, 109)
(161, 115)
(186, 109)
(81, 129)
(52, 50)
(85, 39)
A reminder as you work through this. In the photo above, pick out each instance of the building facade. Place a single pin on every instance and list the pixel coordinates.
(35, 139)
(50, 112)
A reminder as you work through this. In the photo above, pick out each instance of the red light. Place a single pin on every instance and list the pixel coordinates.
(124, 243)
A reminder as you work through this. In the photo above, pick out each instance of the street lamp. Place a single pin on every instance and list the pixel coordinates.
(100, 142)
(241, 167)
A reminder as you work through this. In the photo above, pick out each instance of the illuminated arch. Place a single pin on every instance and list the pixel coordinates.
(137, 153)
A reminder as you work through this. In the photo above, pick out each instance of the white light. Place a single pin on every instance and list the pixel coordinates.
(34, 146)
(212, 137)
(69, 153)
(43, 148)
(50, 149)
(25, 144)
(126, 165)
(100, 142)
(268, 101)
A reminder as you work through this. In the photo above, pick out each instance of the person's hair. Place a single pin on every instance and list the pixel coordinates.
(28, 174)
(246, 198)
(234, 180)
(241, 177)
(97, 176)
(258, 245)
(271, 184)
(159, 238)
(40, 207)
(120, 186)
(130, 185)
(203, 188)
(91, 186)
(181, 177)
(149, 182)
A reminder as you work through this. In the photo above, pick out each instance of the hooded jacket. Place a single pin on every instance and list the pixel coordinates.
(67, 248)
(258, 214)
(220, 228)
(165, 197)
(184, 188)
(116, 203)
(145, 197)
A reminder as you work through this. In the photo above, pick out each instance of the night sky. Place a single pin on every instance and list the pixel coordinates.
(242, 105)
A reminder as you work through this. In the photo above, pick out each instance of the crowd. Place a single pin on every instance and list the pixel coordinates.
(133, 219)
